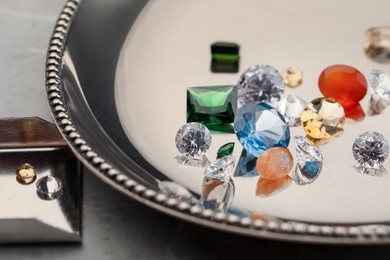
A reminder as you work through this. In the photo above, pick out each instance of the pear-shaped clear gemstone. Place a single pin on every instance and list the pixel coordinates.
(380, 92)
(309, 161)
(221, 168)
(291, 107)
(217, 195)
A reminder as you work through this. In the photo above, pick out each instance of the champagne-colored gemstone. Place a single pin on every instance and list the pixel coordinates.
(378, 44)
(323, 118)
(274, 163)
(26, 174)
(293, 77)
(266, 188)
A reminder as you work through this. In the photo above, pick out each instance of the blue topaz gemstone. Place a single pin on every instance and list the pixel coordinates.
(259, 126)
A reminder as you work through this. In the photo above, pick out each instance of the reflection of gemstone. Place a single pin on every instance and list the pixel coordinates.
(186, 160)
(378, 46)
(213, 106)
(309, 161)
(217, 195)
(323, 118)
(25, 174)
(266, 188)
(372, 171)
(380, 92)
(259, 126)
(370, 149)
(176, 191)
(246, 166)
(193, 139)
(226, 149)
(274, 163)
(260, 83)
(347, 85)
(291, 107)
(293, 77)
(49, 188)
(224, 57)
(221, 168)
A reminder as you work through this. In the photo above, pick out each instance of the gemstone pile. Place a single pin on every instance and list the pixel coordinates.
(260, 83)
(309, 161)
(347, 85)
(213, 106)
(259, 126)
(323, 118)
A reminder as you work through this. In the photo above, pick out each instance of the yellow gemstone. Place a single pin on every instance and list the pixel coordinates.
(293, 77)
(26, 174)
(323, 118)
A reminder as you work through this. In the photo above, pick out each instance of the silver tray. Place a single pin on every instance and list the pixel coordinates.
(97, 59)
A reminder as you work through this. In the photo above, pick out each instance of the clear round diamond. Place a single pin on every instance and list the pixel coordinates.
(259, 126)
(309, 161)
(370, 149)
(260, 83)
(291, 107)
(221, 168)
(49, 188)
(193, 139)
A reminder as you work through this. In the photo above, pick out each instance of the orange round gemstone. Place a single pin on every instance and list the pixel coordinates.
(345, 84)
(274, 163)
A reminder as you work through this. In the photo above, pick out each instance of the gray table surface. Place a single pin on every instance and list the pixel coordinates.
(115, 227)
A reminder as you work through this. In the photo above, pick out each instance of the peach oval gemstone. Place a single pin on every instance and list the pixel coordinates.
(274, 163)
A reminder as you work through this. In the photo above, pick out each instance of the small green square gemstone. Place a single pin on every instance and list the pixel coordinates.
(224, 150)
(225, 57)
(213, 106)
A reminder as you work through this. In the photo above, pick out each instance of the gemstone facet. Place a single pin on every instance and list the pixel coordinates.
(380, 92)
(266, 188)
(347, 85)
(260, 83)
(274, 163)
(173, 190)
(246, 166)
(225, 57)
(226, 149)
(49, 188)
(193, 139)
(259, 126)
(221, 168)
(291, 107)
(378, 44)
(309, 161)
(217, 195)
(185, 160)
(370, 149)
(372, 171)
(213, 106)
(293, 77)
(26, 174)
(323, 118)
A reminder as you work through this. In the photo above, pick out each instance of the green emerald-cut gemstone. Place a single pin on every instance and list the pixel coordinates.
(224, 57)
(224, 150)
(213, 106)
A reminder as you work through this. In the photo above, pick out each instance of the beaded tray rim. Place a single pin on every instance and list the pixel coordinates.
(280, 229)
